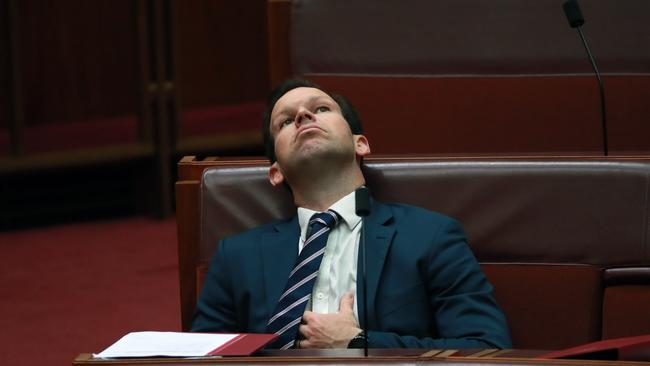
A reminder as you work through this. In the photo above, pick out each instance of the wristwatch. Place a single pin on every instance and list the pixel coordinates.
(358, 341)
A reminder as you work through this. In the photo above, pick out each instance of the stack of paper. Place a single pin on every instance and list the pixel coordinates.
(176, 344)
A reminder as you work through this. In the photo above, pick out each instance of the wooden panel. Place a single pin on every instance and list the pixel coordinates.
(628, 113)
(78, 59)
(475, 115)
(187, 208)
(355, 357)
(91, 133)
(221, 51)
(223, 73)
(79, 70)
(278, 18)
(466, 37)
(5, 81)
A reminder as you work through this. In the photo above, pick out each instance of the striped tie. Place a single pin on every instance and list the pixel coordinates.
(288, 313)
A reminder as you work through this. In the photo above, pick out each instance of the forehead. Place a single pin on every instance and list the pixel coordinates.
(297, 96)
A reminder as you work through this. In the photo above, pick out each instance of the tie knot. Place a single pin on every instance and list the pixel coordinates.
(328, 218)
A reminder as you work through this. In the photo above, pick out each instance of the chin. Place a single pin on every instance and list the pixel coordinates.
(312, 147)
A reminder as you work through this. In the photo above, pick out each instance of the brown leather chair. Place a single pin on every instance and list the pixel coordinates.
(564, 241)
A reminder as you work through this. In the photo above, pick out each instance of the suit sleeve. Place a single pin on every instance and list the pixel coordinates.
(215, 311)
(461, 303)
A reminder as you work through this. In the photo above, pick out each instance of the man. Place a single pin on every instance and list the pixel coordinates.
(425, 288)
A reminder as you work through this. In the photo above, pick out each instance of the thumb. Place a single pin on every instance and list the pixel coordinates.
(347, 301)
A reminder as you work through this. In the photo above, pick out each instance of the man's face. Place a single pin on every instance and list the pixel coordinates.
(307, 125)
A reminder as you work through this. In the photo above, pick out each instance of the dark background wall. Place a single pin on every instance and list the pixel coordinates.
(476, 77)
(101, 98)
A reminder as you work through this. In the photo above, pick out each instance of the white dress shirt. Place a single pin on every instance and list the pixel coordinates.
(338, 270)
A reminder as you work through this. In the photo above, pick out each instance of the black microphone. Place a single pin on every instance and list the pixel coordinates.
(362, 201)
(573, 13)
(576, 20)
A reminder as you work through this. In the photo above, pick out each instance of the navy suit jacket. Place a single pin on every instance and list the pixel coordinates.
(425, 288)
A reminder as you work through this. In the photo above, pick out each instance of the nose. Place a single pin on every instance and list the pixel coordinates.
(304, 116)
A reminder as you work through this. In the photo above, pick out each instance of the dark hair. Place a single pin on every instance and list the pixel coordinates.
(348, 111)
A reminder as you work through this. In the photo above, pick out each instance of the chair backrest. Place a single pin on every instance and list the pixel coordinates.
(550, 233)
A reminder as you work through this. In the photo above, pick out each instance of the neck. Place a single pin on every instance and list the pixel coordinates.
(321, 188)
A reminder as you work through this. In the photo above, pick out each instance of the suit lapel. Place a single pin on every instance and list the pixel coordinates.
(379, 236)
(279, 253)
(280, 250)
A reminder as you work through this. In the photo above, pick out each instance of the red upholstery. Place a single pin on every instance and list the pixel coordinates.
(625, 311)
(626, 301)
(541, 299)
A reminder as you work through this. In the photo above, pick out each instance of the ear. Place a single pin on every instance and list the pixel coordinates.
(361, 145)
(275, 175)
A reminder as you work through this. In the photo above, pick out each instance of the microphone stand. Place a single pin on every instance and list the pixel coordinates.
(365, 287)
(576, 20)
(601, 88)
(362, 198)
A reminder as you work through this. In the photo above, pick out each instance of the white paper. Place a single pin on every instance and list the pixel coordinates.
(170, 344)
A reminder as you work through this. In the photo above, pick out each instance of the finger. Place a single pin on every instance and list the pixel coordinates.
(304, 343)
(347, 301)
(306, 316)
(304, 330)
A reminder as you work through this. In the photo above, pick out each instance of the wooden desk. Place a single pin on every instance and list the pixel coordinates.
(400, 357)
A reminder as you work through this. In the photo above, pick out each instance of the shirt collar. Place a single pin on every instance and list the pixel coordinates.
(345, 207)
